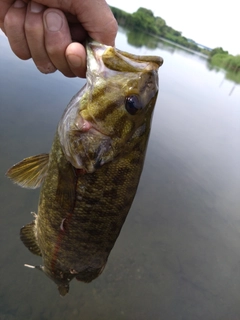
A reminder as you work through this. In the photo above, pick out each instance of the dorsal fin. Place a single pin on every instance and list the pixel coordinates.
(30, 172)
(28, 237)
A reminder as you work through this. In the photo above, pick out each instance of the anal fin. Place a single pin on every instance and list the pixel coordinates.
(28, 237)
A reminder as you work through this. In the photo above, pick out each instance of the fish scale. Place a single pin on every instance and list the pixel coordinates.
(89, 179)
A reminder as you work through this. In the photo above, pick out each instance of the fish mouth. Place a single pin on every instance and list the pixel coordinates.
(101, 57)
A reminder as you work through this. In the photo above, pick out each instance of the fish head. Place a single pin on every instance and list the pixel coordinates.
(114, 108)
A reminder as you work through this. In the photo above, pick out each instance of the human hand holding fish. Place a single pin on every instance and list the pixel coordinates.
(52, 32)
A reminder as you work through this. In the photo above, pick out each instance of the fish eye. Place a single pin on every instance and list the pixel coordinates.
(132, 104)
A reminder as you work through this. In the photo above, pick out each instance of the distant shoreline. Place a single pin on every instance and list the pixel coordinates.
(144, 20)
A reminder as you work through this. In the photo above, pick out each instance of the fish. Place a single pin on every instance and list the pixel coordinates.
(90, 176)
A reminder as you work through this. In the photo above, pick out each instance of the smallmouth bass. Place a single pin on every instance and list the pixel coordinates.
(89, 179)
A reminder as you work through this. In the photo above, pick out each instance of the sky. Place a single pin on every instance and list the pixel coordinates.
(209, 22)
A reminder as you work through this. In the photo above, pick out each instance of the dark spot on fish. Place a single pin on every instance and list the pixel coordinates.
(91, 178)
(120, 176)
(91, 201)
(130, 189)
(96, 221)
(84, 219)
(123, 206)
(98, 163)
(112, 193)
(120, 207)
(120, 126)
(114, 226)
(94, 232)
(108, 110)
(135, 160)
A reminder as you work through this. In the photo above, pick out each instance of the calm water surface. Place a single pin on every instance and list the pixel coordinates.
(178, 255)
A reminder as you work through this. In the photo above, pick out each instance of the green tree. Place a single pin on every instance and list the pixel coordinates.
(144, 19)
(218, 50)
(159, 22)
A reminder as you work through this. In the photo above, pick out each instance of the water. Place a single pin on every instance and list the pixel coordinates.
(178, 255)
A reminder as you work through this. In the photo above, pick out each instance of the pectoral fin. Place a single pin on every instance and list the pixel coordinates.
(28, 237)
(30, 172)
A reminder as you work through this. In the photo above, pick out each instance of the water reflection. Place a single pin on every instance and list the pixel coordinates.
(233, 77)
(178, 254)
(138, 40)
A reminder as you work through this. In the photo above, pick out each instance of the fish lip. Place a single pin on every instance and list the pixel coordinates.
(96, 49)
(84, 126)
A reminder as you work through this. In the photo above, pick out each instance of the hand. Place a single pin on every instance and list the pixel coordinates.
(52, 32)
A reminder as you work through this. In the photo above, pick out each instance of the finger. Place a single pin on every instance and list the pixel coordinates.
(14, 29)
(98, 20)
(95, 16)
(4, 7)
(78, 33)
(34, 32)
(57, 38)
(76, 57)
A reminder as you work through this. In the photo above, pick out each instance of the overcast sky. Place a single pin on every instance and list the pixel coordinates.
(209, 22)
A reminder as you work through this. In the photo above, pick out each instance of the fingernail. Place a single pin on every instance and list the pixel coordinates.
(49, 68)
(74, 61)
(19, 4)
(36, 7)
(53, 21)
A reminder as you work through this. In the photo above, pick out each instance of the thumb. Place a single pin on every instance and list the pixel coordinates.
(76, 57)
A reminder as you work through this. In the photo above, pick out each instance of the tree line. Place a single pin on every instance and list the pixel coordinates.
(144, 20)
(221, 58)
